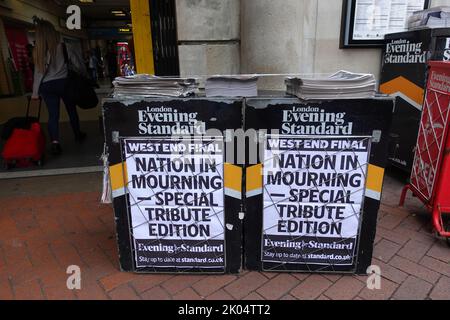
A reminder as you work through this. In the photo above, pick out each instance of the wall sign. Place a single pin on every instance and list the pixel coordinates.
(365, 22)
(176, 201)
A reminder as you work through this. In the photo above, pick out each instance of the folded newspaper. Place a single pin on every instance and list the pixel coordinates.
(231, 86)
(144, 85)
(340, 85)
(436, 17)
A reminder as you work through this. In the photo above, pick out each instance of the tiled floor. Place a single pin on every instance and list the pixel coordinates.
(44, 229)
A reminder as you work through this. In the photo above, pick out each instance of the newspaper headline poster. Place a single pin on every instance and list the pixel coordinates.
(375, 18)
(176, 200)
(313, 194)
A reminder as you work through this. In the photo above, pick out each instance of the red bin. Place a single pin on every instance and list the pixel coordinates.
(430, 175)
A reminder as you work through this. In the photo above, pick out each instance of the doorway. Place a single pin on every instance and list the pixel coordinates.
(106, 24)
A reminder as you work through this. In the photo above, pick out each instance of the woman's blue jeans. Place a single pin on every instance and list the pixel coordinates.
(52, 92)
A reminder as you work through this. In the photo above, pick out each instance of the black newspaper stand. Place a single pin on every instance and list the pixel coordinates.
(404, 76)
(313, 193)
(176, 201)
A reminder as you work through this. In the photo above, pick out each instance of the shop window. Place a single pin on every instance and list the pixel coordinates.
(19, 62)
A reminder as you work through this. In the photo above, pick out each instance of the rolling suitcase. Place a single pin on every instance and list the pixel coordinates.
(18, 122)
(26, 144)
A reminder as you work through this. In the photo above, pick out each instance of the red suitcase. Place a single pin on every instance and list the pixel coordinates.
(25, 147)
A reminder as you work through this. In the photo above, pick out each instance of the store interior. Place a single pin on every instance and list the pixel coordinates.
(104, 40)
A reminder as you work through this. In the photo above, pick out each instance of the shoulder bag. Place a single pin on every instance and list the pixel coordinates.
(80, 89)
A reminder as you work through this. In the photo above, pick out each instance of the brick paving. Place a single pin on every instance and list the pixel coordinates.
(40, 235)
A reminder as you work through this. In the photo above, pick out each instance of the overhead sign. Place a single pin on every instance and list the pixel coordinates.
(176, 201)
(374, 18)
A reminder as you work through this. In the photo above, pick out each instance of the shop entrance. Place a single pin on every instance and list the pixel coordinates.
(107, 38)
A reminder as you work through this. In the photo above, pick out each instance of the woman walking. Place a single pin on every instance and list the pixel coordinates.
(50, 79)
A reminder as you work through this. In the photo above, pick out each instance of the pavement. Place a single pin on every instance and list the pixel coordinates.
(50, 223)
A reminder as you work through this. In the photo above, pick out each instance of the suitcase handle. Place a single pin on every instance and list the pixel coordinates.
(39, 110)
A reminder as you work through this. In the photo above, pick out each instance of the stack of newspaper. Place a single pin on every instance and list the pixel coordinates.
(437, 17)
(340, 85)
(144, 85)
(232, 86)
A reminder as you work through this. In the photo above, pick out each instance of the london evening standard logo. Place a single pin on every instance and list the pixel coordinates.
(168, 121)
(315, 121)
(311, 244)
(404, 51)
(446, 56)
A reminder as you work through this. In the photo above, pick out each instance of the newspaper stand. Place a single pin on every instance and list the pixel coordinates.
(309, 150)
(429, 179)
(176, 201)
(403, 75)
